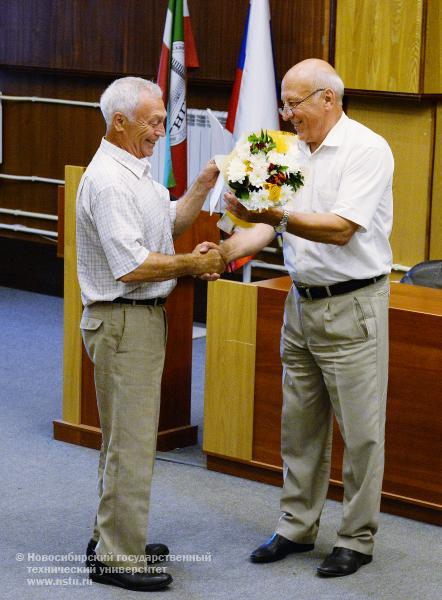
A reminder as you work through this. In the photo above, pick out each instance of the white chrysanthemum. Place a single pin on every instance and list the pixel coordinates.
(257, 177)
(293, 159)
(277, 158)
(258, 200)
(257, 171)
(242, 149)
(258, 161)
(285, 194)
(265, 199)
(236, 171)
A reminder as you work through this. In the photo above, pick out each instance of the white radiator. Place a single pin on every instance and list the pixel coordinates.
(199, 146)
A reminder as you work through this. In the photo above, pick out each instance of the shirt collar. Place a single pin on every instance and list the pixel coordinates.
(333, 138)
(138, 166)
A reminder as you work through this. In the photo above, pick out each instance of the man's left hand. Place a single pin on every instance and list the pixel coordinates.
(270, 216)
(209, 175)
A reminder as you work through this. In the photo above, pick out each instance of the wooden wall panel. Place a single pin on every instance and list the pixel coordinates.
(95, 36)
(433, 48)
(436, 201)
(408, 126)
(268, 371)
(229, 387)
(72, 49)
(40, 139)
(378, 44)
(300, 30)
(114, 37)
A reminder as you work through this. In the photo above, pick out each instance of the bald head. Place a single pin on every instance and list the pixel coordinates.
(312, 95)
(314, 73)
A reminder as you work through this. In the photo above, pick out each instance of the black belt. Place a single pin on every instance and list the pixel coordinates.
(147, 302)
(317, 292)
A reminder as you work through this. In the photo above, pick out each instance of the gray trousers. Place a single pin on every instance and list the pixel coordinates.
(127, 346)
(335, 360)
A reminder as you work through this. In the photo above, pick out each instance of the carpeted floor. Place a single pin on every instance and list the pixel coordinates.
(49, 495)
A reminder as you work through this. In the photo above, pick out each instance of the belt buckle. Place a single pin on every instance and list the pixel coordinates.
(306, 288)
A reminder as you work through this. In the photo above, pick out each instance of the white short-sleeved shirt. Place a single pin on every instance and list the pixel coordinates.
(122, 214)
(350, 174)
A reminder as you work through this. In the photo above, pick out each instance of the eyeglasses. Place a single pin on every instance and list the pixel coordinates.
(287, 109)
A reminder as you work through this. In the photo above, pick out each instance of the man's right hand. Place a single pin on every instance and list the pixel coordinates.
(210, 254)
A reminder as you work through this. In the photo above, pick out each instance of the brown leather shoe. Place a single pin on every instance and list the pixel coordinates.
(277, 548)
(343, 561)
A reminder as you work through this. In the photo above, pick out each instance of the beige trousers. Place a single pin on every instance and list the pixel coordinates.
(127, 346)
(335, 360)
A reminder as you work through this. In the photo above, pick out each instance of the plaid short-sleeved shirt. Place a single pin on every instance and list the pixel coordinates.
(122, 214)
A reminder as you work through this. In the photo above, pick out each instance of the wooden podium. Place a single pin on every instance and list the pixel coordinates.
(243, 396)
(80, 422)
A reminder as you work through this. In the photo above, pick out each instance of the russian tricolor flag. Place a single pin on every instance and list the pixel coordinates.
(254, 104)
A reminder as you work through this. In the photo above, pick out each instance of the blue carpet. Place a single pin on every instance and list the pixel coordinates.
(49, 497)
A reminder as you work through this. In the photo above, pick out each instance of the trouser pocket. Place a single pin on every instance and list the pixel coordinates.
(90, 326)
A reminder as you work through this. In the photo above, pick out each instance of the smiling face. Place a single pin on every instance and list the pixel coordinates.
(312, 118)
(138, 135)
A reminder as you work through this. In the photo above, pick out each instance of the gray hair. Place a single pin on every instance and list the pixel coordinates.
(331, 80)
(123, 94)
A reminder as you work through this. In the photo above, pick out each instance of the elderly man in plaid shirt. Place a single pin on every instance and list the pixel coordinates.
(127, 267)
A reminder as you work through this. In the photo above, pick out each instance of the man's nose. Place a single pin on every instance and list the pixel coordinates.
(161, 130)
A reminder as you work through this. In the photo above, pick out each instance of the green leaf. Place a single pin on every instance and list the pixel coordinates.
(262, 143)
(295, 180)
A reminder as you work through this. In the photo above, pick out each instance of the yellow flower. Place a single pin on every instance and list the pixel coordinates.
(280, 139)
(274, 191)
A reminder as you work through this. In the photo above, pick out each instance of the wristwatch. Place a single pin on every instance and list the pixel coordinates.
(282, 225)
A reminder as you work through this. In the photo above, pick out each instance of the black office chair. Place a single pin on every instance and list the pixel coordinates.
(427, 273)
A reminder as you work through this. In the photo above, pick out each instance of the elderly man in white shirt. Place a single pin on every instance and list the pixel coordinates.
(126, 268)
(334, 341)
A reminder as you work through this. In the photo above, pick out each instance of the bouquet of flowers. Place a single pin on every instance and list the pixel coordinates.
(264, 170)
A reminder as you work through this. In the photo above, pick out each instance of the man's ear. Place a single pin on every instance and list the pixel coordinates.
(119, 121)
(330, 97)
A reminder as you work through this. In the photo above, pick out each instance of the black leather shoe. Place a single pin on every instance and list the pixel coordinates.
(343, 561)
(120, 577)
(276, 548)
(154, 552)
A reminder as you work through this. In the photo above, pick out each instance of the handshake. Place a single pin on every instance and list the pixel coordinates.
(210, 261)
